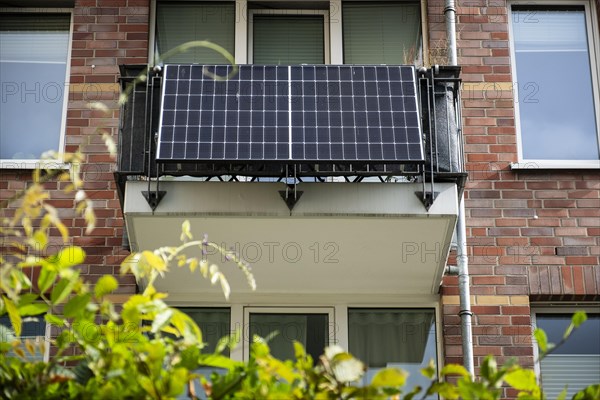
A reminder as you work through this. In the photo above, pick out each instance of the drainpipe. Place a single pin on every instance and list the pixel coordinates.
(462, 259)
(450, 13)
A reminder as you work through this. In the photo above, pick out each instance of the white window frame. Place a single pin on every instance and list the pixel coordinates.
(334, 44)
(291, 12)
(242, 304)
(560, 308)
(594, 52)
(52, 164)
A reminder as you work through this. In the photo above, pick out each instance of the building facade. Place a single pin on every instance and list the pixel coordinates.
(340, 256)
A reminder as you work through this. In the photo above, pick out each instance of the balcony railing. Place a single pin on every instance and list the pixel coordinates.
(438, 99)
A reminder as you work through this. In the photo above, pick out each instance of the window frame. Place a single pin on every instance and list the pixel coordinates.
(335, 43)
(39, 163)
(593, 37)
(340, 303)
(552, 308)
(290, 12)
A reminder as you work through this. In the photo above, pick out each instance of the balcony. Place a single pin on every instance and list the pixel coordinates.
(304, 218)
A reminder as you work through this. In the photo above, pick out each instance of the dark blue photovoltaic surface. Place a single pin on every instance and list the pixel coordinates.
(297, 113)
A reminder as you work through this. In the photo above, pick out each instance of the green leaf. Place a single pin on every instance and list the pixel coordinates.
(54, 320)
(429, 371)
(105, 285)
(579, 318)
(591, 392)
(27, 298)
(541, 339)
(217, 361)
(46, 279)
(153, 261)
(522, 379)
(455, 369)
(445, 389)
(68, 257)
(61, 291)
(76, 305)
(229, 341)
(562, 395)
(161, 319)
(33, 309)
(13, 315)
(186, 326)
(39, 240)
(489, 367)
(389, 377)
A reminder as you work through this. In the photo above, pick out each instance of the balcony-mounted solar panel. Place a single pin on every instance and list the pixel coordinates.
(290, 114)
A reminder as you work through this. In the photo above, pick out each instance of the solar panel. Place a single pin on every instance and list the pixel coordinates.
(306, 113)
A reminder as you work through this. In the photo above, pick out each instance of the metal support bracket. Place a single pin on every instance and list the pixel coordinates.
(427, 198)
(153, 198)
(291, 198)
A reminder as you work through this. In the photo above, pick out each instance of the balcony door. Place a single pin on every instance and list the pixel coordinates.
(288, 37)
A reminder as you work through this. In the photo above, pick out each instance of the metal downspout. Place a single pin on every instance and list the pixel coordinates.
(465, 312)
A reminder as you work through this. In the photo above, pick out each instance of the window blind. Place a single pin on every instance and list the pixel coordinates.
(381, 33)
(288, 40)
(34, 37)
(181, 23)
(576, 371)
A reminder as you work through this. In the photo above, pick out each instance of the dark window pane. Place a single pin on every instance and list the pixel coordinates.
(309, 329)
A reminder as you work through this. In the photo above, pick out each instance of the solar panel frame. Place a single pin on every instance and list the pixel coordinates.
(291, 114)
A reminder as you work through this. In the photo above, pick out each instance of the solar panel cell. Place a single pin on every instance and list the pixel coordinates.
(338, 113)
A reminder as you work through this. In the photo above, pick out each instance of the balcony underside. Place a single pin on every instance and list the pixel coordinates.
(340, 238)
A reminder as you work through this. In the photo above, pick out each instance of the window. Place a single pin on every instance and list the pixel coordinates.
(286, 33)
(576, 364)
(288, 37)
(381, 32)
(34, 50)
(401, 338)
(178, 23)
(213, 322)
(309, 326)
(34, 329)
(556, 77)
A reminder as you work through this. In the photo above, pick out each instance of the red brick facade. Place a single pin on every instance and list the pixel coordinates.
(534, 235)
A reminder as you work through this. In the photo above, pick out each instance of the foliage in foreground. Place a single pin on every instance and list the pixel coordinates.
(148, 350)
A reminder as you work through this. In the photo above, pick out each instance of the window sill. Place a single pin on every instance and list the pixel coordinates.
(551, 164)
(34, 164)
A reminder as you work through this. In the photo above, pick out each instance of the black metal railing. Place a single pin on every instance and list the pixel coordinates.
(440, 111)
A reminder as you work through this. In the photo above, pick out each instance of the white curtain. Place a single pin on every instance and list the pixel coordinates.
(380, 337)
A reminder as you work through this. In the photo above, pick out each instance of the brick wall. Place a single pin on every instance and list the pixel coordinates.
(106, 33)
(533, 235)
